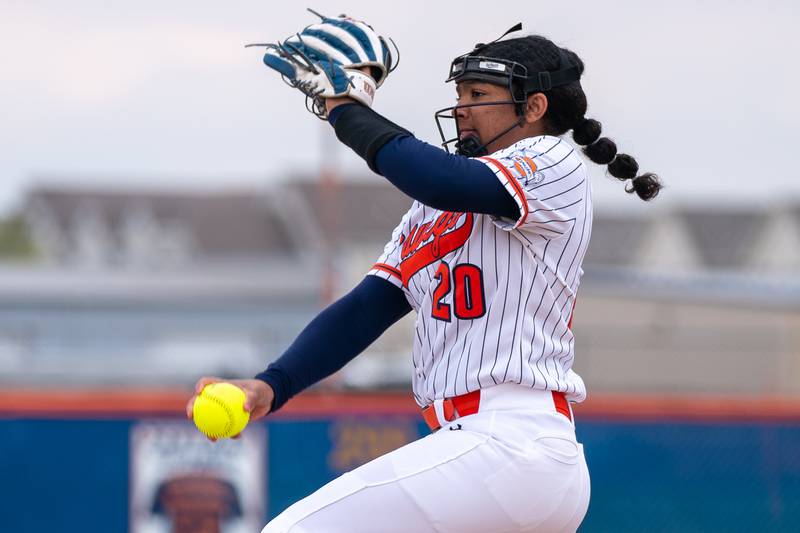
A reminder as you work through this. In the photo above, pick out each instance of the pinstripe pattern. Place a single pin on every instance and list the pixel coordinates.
(531, 272)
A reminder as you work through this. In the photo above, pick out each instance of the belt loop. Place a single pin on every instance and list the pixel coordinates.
(445, 412)
(438, 408)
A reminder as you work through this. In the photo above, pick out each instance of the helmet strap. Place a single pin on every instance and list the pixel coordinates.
(470, 146)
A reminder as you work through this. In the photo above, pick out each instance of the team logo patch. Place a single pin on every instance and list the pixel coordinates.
(526, 169)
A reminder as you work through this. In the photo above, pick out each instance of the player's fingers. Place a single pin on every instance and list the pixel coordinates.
(190, 407)
(250, 400)
(202, 382)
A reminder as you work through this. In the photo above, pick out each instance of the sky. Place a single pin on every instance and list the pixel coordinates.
(164, 95)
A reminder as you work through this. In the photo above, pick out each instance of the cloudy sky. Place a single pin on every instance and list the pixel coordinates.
(163, 94)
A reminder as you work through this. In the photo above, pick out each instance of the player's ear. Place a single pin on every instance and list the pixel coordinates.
(535, 108)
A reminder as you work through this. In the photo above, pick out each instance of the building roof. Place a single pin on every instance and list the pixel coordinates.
(296, 217)
(354, 211)
(616, 240)
(218, 225)
(724, 238)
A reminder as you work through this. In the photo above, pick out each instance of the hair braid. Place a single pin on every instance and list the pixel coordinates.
(566, 110)
(603, 151)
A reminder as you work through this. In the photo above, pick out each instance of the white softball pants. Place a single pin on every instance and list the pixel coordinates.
(513, 466)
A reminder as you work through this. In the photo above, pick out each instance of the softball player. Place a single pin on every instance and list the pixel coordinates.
(489, 258)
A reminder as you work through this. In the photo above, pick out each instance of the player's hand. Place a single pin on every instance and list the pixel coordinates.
(258, 395)
(338, 57)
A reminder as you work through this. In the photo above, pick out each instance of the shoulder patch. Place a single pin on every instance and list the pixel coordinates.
(526, 168)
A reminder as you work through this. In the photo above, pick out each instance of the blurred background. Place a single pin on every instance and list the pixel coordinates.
(170, 210)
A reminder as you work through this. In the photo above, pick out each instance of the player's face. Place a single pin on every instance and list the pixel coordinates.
(485, 122)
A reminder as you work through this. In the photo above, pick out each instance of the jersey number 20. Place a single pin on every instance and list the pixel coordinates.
(468, 298)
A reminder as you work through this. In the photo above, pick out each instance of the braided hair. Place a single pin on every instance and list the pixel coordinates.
(566, 110)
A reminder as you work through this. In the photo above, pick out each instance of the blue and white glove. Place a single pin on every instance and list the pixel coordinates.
(328, 59)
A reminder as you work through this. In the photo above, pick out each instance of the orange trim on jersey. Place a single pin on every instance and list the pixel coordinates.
(388, 269)
(515, 185)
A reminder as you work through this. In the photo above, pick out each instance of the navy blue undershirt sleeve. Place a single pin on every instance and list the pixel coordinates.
(448, 182)
(338, 334)
(444, 181)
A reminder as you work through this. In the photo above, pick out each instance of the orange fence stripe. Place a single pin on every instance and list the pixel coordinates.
(116, 403)
(92, 402)
(689, 407)
(171, 402)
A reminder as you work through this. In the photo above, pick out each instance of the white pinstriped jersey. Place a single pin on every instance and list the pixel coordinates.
(494, 297)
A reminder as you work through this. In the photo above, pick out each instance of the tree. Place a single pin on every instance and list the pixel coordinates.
(16, 242)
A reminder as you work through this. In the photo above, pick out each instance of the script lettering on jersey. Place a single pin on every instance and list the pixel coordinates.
(420, 234)
(417, 252)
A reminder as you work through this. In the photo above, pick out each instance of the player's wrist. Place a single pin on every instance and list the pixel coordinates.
(272, 393)
(362, 90)
(333, 103)
(362, 86)
(264, 395)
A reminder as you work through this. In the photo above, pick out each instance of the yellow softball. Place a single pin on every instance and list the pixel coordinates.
(218, 411)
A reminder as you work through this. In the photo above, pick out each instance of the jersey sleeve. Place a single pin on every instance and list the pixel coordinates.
(387, 265)
(548, 184)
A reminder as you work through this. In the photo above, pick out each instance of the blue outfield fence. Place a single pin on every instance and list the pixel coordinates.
(125, 465)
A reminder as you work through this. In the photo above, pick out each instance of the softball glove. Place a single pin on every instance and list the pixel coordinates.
(334, 58)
